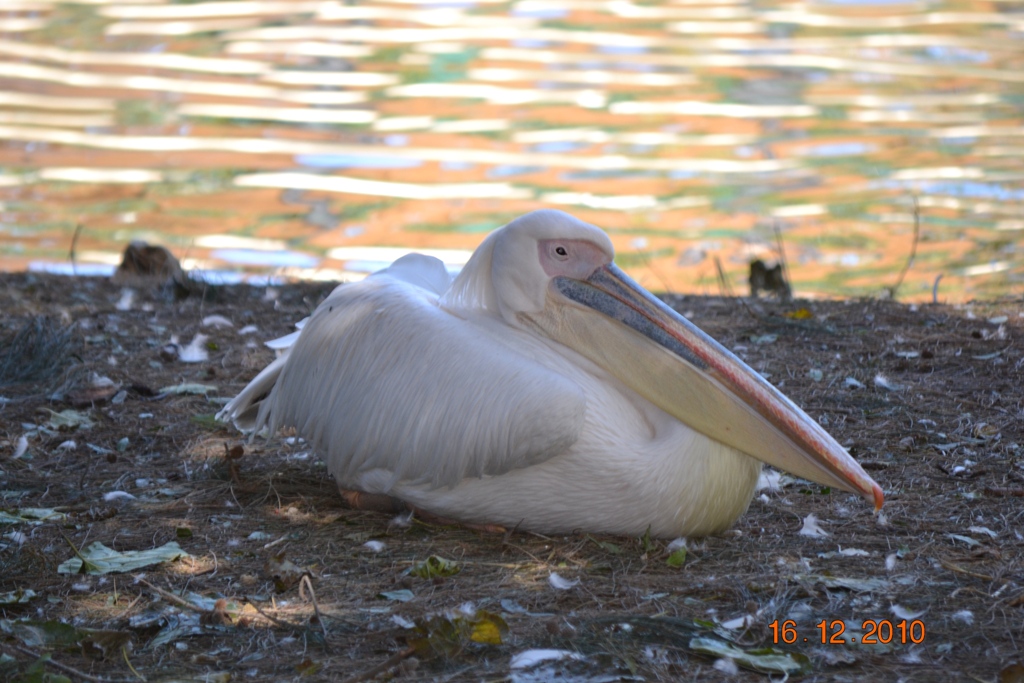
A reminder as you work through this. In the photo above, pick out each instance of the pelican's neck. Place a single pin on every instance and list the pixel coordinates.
(473, 288)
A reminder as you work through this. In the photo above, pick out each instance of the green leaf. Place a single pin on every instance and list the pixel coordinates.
(208, 420)
(645, 541)
(449, 635)
(68, 420)
(434, 567)
(8, 666)
(402, 595)
(677, 558)
(35, 634)
(99, 559)
(54, 635)
(37, 673)
(766, 660)
(31, 516)
(103, 645)
(715, 628)
(606, 546)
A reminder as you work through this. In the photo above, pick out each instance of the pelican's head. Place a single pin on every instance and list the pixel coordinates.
(533, 250)
(511, 271)
(554, 274)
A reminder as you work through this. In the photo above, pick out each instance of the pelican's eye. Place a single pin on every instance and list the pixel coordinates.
(562, 253)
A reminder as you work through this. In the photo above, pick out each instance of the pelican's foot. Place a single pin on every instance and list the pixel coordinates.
(373, 502)
(431, 518)
(382, 502)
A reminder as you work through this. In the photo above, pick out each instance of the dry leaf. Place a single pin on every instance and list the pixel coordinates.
(283, 572)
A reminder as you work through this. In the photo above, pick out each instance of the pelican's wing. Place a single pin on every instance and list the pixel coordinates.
(426, 272)
(381, 378)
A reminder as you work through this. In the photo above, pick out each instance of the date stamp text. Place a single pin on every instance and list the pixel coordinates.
(873, 632)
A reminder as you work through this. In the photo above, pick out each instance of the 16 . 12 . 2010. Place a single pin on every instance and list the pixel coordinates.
(874, 632)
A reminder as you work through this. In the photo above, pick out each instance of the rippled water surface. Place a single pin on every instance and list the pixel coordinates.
(320, 139)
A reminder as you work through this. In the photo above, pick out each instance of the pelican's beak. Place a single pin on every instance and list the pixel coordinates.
(668, 360)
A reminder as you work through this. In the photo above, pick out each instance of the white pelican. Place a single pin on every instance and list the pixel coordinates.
(543, 388)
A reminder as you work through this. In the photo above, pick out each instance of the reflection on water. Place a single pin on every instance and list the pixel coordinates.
(319, 139)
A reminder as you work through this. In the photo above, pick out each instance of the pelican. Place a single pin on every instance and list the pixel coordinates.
(542, 388)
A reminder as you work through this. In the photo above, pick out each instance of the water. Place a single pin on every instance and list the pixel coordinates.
(298, 139)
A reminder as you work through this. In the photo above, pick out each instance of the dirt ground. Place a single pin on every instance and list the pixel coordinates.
(928, 398)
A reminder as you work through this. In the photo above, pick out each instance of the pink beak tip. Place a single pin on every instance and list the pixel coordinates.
(876, 492)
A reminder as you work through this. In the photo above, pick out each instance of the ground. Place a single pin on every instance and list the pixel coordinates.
(927, 398)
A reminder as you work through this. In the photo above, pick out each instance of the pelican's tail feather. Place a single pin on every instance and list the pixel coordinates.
(243, 409)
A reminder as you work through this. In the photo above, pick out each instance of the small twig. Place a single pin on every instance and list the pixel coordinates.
(279, 541)
(506, 539)
(202, 299)
(960, 570)
(216, 567)
(786, 293)
(167, 595)
(524, 550)
(280, 622)
(75, 550)
(71, 252)
(388, 663)
(726, 289)
(968, 589)
(305, 581)
(935, 289)
(723, 282)
(124, 653)
(740, 299)
(132, 604)
(913, 252)
(781, 248)
(1000, 491)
